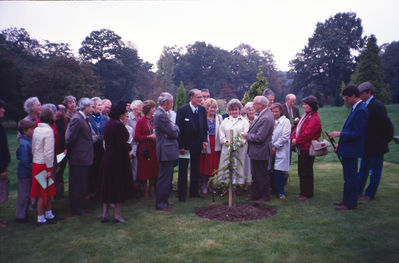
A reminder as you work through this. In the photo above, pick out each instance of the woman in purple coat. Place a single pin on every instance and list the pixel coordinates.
(117, 179)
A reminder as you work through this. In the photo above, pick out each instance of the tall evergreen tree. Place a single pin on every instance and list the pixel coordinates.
(369, 69)
(181, 96)
(390, 67)
(328, 59)
(256, 88)
(166, 69)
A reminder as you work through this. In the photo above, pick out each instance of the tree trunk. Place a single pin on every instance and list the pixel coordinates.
(231, 164)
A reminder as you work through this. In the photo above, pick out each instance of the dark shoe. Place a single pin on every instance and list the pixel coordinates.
(47, 222)
(344, 207)
(115, 220)
(366, 198)
(104, 219)
(56, 218)
(338, 203)
(21, 220)
(301, 197)
(181, 199)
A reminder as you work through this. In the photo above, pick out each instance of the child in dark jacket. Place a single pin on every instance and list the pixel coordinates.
(24, 156)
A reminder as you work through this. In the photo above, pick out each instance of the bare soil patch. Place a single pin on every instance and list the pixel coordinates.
(237, 213)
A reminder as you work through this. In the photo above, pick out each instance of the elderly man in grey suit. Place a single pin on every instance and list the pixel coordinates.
(79, 145)
(167, 149)
(259, 138)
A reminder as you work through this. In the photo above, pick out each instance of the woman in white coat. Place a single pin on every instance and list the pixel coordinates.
(281, 147)
(238, 124)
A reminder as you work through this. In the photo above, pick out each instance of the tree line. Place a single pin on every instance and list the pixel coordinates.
(108, 67)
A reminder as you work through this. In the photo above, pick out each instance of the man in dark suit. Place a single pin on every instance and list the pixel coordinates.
(259, 138)
(290, 110)
(79, 145)
(351, 145)
(192, 122)
(167, 149)
(379, 133)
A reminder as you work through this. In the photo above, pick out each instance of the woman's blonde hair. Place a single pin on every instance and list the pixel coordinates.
(210, 102)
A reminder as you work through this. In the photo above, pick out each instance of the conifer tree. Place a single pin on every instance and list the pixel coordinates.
(256, 88)
(181, 96)
(369, 69)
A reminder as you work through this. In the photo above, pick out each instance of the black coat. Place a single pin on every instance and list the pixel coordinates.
(4, 152)
(379, 129)
(295, 112)
(192, 133)
(116, 177)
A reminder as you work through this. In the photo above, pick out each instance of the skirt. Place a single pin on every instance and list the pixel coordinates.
(209, 163)
(37, 190)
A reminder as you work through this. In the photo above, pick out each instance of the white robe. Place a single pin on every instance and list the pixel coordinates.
(238, 125)
(281, 140)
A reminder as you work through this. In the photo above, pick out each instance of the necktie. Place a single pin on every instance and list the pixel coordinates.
(167, 116)
(196, 111)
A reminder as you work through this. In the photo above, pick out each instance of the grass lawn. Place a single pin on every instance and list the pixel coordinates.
(302, 231)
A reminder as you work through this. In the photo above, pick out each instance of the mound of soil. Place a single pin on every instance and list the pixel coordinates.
(238, 213)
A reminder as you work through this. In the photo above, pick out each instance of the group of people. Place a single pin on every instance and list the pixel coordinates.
(116, 149)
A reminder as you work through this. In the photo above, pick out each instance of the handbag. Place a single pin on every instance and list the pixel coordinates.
(146, 154)
(319, 148)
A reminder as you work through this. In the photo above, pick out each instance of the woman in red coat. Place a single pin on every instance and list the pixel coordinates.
(148, 165)
(308, 129)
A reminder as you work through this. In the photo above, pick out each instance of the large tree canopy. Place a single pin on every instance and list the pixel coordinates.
(390, 67)
(100, 45)
(225, 73)
(328, 58)
(369, 69)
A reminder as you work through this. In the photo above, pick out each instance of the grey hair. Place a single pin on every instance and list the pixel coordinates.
(233, 104)
(135, 104)
(262, 100)
(106, 100)
(163, 97)
(30, 104)
(61, 107)
(205, 90)
(268, 92)
(95, 100)
(248, 105)
(50, 106)
(68, 99)
(192, 92)
(83, 103)
(290, 95)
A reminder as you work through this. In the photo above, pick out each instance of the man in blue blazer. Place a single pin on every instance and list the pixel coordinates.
(379, 133)
(193, 137)
(351, 145)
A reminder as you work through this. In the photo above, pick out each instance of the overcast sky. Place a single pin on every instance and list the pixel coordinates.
(281, 26)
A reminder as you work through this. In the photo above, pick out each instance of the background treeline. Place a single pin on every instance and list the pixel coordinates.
(336, 54)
